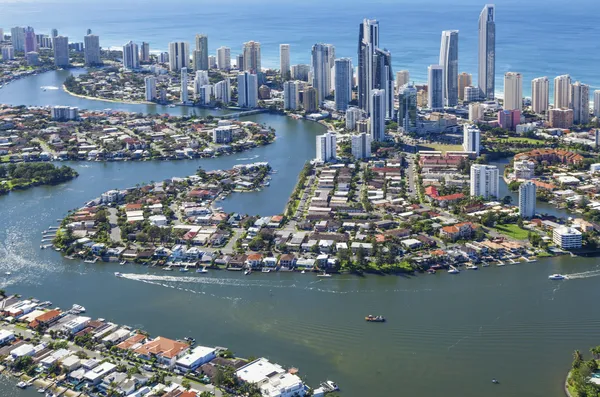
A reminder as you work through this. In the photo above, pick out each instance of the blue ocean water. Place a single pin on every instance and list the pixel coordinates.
(534, 37)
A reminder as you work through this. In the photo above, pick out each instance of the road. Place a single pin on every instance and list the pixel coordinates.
(410, 175)
(115, 231)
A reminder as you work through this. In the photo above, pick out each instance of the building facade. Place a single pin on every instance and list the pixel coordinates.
(179, 55)
(131, 56)
(361, 146)
(487, 52)
(567, 237)
(326, 147)
(322, 56)
(224, 58)
(251, 54)
(60, 46)
(435, 93)
(201, 53)
(513, 91)
(343, 83)
(407, 108)
(91, 50)
(247, 90)
(377, 107)
(527, 197)
(580, 101)
(284, 61)
(540, 92)
(471, 139)
(562, 92)
(484, 181)
(449, 64)
(464, 80)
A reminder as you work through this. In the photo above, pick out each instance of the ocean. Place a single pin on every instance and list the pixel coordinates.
(534, 37)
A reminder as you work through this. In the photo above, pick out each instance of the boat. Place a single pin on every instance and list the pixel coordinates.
(40, 390)
(324, 275)
(266, 270)
(556, 277)
(472, 267)
(203, 270)
(183, 269)
(247, 272)
(78, 308)
(22, 385)
(303, 271)
(453, 271)
(122, 263)
(431, 271)
(330, 385)
(375, 319)
(118, 274)
(168, 269)
(8, 273)
(495, 381)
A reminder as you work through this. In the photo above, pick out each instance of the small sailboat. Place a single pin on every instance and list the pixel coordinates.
(247, 272)
(203, 270)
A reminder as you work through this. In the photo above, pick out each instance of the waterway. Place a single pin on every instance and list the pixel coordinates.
(445, 335)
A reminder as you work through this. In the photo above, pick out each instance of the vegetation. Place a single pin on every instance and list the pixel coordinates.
(25, 175)
(578, 383)
(513, 231)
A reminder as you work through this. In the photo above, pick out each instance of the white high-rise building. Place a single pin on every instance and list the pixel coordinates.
(223, 91)
(251, 58)
(471, 138)
(150, 83)
(567, 237)
(540, 95)
(368, 41)
(484, 181)
(407, 108)
(597, 103)
(91, 50)
(131, 56)
(247, 90)
(291, 95)
(527, 194)
(224, 58)
(200, 80)
(204, 95)
(361, 146)
(513, 91)
(64, 113)
(580, 101)
(377, 107)
(179, 55)
(201, 53)
(475, 112)
(449, 64)
(17, 38)
(487, 52)
(8, 53)
(524, 169)
(60, 46)
(326, 147)
(402, 78)
(435, 93)
(145, 52)
(284, 61)
(562, 92)
(343, 83)
(353, 115)
(184, 86)
(321, 69)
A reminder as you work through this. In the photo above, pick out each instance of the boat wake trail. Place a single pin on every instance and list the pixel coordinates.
(588, 274)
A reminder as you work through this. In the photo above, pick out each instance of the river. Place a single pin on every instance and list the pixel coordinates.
(446, 335)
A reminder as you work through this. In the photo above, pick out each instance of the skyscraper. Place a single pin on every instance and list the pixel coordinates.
(150, 83)
(8, 53)
(247, 90)
(321, 69)
(560, 118)
(343, 83)
(368, 41)
(326, 147)
(562, 91)
(513, 91)
(300, 72)
(449, 64)
(224, 58)
(145, 52)
(471, 139)
(284, 61)
(252, 57)
(402, 78)
(223, 91)
(54, 33)
(60, 44)
(184, 95)
(30, 40)
(527, 195)
(580, 100)
(361, 146)
(435, 96)
(353, 115)
(179, 55)
(201, 52)
(91, 50)
(464, 80)
(407, 108)
(540, 91)
(200, 80)
(484, 181)
(131, 56)
(383, 78)
(597, 103)
(377, 107)
(487, 51)
(291, 95)
(310, 100)
(17, 38)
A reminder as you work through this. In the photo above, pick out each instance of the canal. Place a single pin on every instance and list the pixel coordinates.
(446, 335)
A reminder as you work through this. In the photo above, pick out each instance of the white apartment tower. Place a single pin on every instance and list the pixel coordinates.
(179, 55)
(247, 90)
(435, 84)
(224, 58)
(322, 61)
(402, 78)
(150, 83)
(145, 52)
(471, 139)
(513, 91)
(562, 92)
(597, 103)
(361, 146)
(251, 57)
(449, 64)
(326, 147)
(60, 45)
(184, 86)
(540, 92)
(580, 101)
(377, 107)
(91, 50)
(131, 56)
(223, 91)
(291, 95)
(527, 192)
(343, 83)
(484, 181)
(284, 61)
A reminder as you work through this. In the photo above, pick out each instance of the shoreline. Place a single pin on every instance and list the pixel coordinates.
(108, 100)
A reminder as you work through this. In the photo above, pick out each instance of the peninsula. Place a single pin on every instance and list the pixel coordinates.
(26, 175)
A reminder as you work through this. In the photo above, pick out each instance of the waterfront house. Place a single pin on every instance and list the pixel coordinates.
(95, 375)
(198, 356)
(367, 247)
(305, 263)
(287, 261)
(70, 363)
(54, 357)
(237, 262)
(46, 319)
(98, 248)
(133, 342)
(270, 262)
(254, 260)
(272, 379)
(75, 325)
(458, 231)
(166, 351)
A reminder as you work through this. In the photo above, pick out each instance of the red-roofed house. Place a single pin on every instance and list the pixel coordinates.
(460, 230)
(165, 350)
(45, 319)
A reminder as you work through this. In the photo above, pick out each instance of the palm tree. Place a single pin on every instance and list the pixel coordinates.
(595, 351)
(577, 359)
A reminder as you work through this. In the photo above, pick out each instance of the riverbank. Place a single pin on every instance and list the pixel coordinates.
(65, 89)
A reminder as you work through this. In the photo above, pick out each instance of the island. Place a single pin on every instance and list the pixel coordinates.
(25, 175)
(68, 353)
(584, 378)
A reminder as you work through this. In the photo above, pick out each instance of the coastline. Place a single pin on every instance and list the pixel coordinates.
(107, 100)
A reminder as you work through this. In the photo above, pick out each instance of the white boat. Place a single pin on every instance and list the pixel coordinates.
(203, 270)
(247, 272)
(324, 275)
(8, 273)
(453, 271)
(22, 385)
(123, 263)
(472, 267)
(266, 270)
(557, 276)
(183, 269)
(118, 274)
(78, 308)
(168, 269)
(41, 390)
(303, 271)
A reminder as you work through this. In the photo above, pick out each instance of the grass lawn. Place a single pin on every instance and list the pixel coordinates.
(513, 231)
(441, 147)
(529, 141)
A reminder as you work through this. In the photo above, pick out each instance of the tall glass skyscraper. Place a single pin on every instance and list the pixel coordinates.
(487, 51)
(449, 64)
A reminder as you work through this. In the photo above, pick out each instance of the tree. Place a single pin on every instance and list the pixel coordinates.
(507, 200)
(186, 384)
(577, 359)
